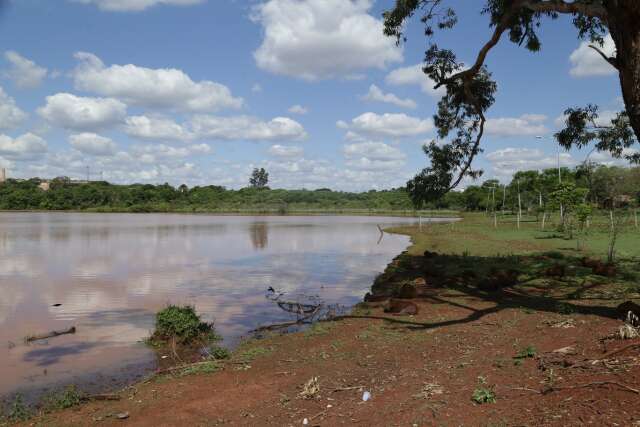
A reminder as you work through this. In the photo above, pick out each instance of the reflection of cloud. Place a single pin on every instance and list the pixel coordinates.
(50, 355)
(112, 272)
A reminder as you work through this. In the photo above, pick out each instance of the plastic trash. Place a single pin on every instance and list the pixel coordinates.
(366, 396)
(305, 422)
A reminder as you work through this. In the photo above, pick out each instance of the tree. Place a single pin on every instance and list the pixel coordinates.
(259, 178)
(470, 90)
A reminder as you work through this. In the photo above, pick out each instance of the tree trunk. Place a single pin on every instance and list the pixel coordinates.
(624, 25)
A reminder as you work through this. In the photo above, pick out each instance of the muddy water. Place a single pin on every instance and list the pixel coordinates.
(107, 274)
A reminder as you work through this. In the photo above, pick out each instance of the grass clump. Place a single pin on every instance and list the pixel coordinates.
(183, 325)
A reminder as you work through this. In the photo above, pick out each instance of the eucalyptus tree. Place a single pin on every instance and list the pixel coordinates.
(470, 90)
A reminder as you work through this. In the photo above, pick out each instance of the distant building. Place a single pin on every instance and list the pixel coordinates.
(44, 186)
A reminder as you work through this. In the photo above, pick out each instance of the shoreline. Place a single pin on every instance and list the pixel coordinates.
(420, 369)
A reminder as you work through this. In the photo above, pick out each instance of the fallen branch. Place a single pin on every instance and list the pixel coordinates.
(71, 330)
(101, 397)
(358, 387)
(300, 321)
(626, 347)
(593, 384)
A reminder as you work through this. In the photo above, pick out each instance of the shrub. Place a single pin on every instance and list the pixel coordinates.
(182, 324)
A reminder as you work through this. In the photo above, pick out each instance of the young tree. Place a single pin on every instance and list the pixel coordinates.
(259, 178)
(470, 90)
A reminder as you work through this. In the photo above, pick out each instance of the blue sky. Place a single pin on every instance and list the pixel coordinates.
(201, 91)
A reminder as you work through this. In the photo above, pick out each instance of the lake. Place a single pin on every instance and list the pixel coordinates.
(107, 274)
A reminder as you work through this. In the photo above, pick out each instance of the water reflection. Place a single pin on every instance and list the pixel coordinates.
(110, 273)
(259, 233)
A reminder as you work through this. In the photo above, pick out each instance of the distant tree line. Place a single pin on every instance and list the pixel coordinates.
(530, 191)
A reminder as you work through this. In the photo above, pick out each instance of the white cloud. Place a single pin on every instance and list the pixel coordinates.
(298, 109)
(510, 160)
(586, 62)
(22, 148)
(413, 75)
(246, 128)
(373, 156)
(256, 88)
(286, 151)
(10, 115)
(153, 153)
(605, 158)
(93, 144)
(376, 94)
(82, 113)
(320, 39)
(156, 128)
(24, 72)
(135, 5)
(525, 125)
(166, 88)
(386, 126)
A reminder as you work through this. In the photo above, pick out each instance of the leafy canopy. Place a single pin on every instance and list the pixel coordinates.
(470, 90)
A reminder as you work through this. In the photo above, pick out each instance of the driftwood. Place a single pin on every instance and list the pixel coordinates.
(71, 330)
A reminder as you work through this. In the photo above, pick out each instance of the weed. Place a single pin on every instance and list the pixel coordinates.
(64, 399)
(483, 392)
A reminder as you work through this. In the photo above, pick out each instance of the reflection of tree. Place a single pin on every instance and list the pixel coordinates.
(259, 232)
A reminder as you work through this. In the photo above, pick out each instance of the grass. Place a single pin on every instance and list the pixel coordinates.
(253, 353)
(183, 325)
(67, 398)
(201, 368)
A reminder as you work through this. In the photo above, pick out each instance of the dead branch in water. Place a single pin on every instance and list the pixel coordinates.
(30, 338)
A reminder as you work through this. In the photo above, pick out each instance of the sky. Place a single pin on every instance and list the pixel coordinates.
(202, 91)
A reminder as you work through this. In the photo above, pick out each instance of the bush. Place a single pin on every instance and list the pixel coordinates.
(182, 324)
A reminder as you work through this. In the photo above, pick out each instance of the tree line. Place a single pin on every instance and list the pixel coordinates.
(531, 192)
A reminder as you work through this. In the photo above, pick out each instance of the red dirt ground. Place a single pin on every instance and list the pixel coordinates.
(421, 370)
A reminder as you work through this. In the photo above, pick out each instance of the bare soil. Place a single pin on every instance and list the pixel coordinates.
(544, 347)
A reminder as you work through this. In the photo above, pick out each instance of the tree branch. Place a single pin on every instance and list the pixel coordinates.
(610, 59)
(559, 6)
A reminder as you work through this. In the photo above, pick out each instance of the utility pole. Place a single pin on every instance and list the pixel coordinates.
(88, 174)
